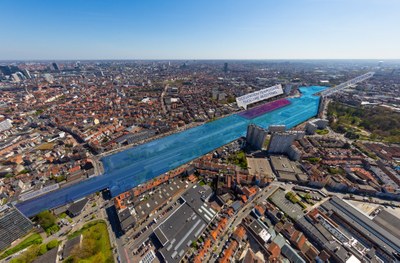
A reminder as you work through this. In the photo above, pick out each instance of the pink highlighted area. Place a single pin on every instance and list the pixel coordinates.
(264, 108)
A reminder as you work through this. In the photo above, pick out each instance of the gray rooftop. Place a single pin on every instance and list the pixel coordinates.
(13, 225)
(77, 207)
(185, 224)
(322, 237)
(256, 226)
(282, 163)
(157, 198)
(389, 222)
(286, 169)
(196, 197)
(70, 245)
(381, 237)
(291, 254)
(49, 257)
(178, 231)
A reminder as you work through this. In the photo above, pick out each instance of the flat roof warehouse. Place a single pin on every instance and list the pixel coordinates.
(185, 225)
(363, 224)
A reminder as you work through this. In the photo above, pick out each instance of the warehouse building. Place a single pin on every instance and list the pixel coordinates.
(346, 233)
(13, 225)
(185, 224)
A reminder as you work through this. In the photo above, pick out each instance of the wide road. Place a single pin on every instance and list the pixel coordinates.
(134, 166)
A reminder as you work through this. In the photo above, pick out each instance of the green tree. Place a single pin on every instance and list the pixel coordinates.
(17, 260)
(42, 249)
(30, 255)
(52, 244)
(46, 219)
(87, 249)
(314, 160)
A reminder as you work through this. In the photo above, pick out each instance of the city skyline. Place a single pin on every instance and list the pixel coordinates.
(200, 161)
(309, 29)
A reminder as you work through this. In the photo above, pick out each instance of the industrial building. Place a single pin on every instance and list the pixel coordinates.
(185, 224)
(388, 221)
(385, 243)
(347, 234)
(288, 171)
(133, 210)
(13, 225)
(77, 207)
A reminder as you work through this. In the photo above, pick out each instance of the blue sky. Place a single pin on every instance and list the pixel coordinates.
(200, 29)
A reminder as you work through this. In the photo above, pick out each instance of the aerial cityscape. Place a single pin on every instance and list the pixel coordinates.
(189, 152)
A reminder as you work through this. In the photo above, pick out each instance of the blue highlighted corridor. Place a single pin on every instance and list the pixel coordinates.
(134, 166)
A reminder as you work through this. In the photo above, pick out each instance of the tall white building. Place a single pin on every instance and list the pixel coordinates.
(256, 136)
(281, 142)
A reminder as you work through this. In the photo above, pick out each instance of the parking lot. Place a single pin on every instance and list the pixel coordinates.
(292, 210)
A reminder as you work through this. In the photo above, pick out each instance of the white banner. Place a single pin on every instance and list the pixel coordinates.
(256, 96)
(46, 189)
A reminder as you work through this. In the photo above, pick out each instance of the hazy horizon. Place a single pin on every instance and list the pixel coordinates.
(205, 60)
